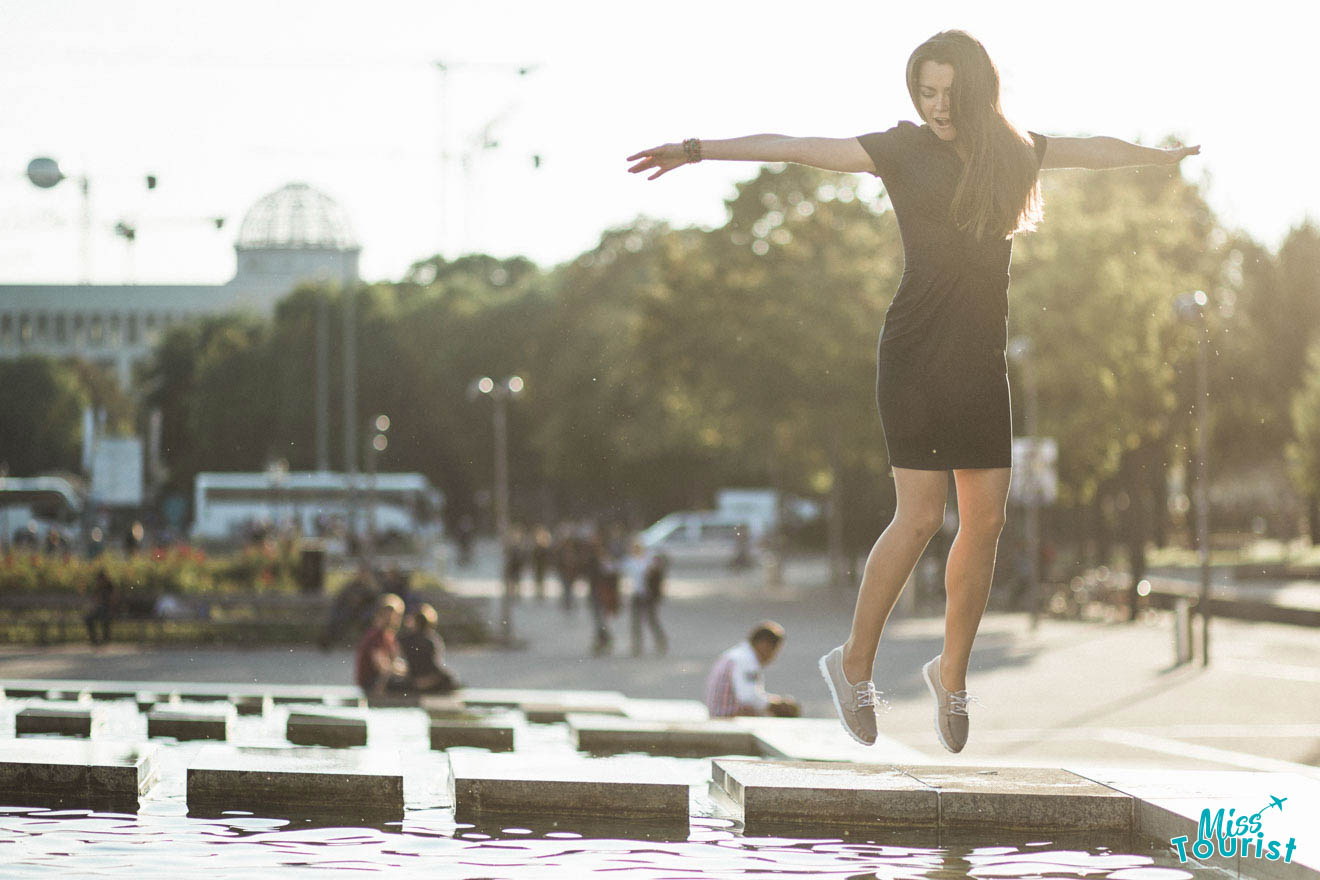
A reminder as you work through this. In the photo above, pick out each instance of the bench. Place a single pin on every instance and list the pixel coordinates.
(208, 618)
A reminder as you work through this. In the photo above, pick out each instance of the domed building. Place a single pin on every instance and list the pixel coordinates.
(289, 236)
(292, 235)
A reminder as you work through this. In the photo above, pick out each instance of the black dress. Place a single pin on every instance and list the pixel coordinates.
(942, 376)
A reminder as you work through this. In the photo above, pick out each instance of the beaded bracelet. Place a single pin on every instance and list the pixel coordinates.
(692, 149)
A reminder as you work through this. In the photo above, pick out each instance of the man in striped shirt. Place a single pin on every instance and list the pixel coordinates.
(736, 684)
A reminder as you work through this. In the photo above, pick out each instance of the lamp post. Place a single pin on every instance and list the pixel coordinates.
(1190, 308)
(1020, 350)
(44, 172)
(500, 393)
(379, 443)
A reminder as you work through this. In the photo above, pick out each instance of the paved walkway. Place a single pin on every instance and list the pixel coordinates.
(1103, 694)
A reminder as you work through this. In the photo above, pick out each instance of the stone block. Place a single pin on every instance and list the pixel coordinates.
(643, 788)
(100, 775)
(606, 735)
(67, 720)
(837, 793)
(1025, 798)
(494, 732)
(324, 728)
(351, 786)
(252, 704)
(198, 721)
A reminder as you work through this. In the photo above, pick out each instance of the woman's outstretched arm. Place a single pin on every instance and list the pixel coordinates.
(831, 154)
(1108, 152)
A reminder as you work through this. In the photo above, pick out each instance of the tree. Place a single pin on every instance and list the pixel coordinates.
(1304, 450)
(42, 401)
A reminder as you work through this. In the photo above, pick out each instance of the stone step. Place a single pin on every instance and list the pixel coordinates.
(493, 731)
(1027, 798)
(351, 786)
(954, 797)
(100, 775)
(603, 787)
(607, 735)
(827, 792)
(191, 722)
(70, 719)
(327, 728)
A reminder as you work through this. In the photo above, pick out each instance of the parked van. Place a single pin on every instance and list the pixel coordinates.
(702, 538)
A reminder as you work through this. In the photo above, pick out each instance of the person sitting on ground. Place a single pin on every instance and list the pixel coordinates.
(377, 665)
(736, 684)
(424, 652)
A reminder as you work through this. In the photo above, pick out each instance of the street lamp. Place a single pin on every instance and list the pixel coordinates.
(379, 443)
(1020, 350)
(44, 173)
(500, 393)
(1191, 309)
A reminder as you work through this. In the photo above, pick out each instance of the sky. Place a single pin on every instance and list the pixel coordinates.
(227, 102)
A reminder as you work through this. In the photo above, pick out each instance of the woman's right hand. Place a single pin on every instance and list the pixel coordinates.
(665, 157)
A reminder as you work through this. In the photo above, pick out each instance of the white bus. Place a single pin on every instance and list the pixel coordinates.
(226, 504)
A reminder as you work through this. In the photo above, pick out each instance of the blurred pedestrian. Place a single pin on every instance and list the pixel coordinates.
(736, 683)
(643, 573)
(515, 559)
(568, 557)
(542, 553)
(602, 592)
(463, 536)
(102, 609)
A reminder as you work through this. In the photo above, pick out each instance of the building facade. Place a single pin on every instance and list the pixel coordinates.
(293, 235)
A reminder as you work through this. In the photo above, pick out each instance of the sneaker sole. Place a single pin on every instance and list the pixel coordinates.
(930, 686)
(838, 707)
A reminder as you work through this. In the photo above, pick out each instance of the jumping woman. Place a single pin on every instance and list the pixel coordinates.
(962, 184)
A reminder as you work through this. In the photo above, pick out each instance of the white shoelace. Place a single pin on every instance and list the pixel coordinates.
(959, 701)
(865, 694)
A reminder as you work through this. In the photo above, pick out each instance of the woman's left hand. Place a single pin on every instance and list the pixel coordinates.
(1177, 154)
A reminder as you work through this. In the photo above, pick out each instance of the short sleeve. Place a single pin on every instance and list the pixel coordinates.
(1038, 141)
(886, 148)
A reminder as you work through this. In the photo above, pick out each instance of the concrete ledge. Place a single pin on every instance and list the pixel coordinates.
(201, 721)
(1169, 804)
(90, 775)
(608, 735)
(603, 787)
(326, 729)
(355, 785)
(814, 792)
(68, 720)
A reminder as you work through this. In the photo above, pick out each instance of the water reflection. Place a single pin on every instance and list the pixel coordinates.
(86, 843)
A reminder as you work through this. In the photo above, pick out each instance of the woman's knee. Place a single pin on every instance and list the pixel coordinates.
(921, 523)
(983, 522)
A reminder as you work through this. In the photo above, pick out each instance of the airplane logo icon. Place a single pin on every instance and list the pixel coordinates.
(1275, 801)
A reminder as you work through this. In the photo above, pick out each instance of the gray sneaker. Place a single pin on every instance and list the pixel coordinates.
(951, 721)
(855, 703)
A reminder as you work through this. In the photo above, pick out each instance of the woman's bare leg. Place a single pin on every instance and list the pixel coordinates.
(918, 516)
(982, 495)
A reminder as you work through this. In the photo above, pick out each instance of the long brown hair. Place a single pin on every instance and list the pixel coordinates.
(999, 193)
